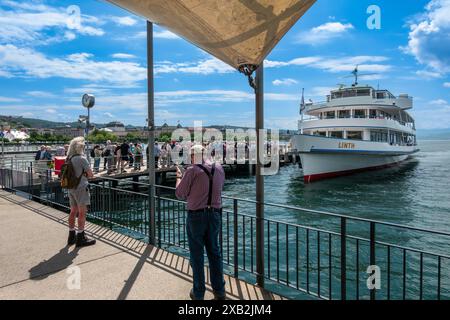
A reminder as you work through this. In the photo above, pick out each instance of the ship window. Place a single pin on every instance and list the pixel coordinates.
(349, 93)
(344, 114)
(354, 135)
(373, 114)
(337, 134)
(320, 133)
(363, 92)
(380, 95)
(330, 115)
(360, 113)
(378, 136)
(336, 95)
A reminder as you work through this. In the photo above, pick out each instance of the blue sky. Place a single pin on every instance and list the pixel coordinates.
(47, 61)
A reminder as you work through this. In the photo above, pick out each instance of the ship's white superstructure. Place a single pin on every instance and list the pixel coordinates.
(357, 128)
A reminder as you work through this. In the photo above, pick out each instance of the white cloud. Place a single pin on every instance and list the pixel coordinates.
(139, 35)
(205, 67)
(320, 92)
(125, 21)
(334, 65)
(28, 23)
(429, 37)
(324, 33)
(9, 100)
(29, 63)
(218, 95)
(158, 34)
(110, 101)
(41, 94)
(123, 56)
(290, 123)
(439, 102)
(447, 84)
(165, 34)
(284, 82)
(433, 115)
(302, 61)
(27, 114)
(426, 74)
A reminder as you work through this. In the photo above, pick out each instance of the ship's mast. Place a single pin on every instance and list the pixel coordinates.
(355, 73)
(302, 109)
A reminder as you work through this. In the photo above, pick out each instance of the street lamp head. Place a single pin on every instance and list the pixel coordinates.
(88, 100)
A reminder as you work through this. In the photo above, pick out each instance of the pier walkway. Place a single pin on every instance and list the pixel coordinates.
(37, 264)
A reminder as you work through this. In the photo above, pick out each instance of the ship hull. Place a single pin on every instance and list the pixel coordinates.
(324, 158)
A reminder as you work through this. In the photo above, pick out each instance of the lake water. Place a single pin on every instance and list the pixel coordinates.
(416, 193)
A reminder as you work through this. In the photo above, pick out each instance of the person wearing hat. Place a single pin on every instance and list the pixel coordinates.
(201, 185)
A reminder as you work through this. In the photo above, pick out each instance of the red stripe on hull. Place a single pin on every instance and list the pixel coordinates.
(330, 175)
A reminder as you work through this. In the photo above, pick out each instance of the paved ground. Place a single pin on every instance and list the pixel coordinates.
(35, 262)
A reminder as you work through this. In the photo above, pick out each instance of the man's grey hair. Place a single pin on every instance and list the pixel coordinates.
(76, 147)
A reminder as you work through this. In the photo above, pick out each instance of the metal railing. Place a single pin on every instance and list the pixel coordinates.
(325, 256)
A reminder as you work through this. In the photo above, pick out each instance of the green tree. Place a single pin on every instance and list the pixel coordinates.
(165, 137)
(132, 137)
(101, 136)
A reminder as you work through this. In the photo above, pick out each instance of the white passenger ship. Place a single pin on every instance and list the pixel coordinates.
(358, 128)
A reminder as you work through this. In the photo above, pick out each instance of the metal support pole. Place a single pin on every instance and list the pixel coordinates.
(259, 115)
(343, 259)
(3, 145)
(235, 238)
(88, 155)
(151, 132)
(372, 254)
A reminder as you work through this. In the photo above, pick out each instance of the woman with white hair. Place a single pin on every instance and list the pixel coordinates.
(79, 196)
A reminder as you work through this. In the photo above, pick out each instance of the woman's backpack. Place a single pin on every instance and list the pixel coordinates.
(69, 180)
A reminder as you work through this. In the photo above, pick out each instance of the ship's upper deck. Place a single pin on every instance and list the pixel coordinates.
(363, 96)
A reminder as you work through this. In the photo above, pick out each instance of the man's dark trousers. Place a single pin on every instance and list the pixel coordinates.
(203, 229)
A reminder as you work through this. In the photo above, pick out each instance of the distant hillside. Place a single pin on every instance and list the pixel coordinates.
(16, 122)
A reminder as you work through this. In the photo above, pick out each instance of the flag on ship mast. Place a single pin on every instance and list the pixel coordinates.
(302, 103)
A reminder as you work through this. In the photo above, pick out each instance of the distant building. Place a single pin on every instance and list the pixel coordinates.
(12, 135)
(69, 132)
(41, 131)
(117, 128)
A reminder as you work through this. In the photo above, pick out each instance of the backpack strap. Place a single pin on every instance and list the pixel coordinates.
(211, 180)
(70, 160)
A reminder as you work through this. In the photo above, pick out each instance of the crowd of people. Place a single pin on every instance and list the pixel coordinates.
(117, 157)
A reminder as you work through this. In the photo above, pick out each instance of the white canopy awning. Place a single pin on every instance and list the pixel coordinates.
(238, 32)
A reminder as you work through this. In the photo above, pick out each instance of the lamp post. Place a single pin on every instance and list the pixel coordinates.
(2, 135)
(88, 102)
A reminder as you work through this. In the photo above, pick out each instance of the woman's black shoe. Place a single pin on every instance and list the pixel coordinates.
(83, 241)
(72, 238)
